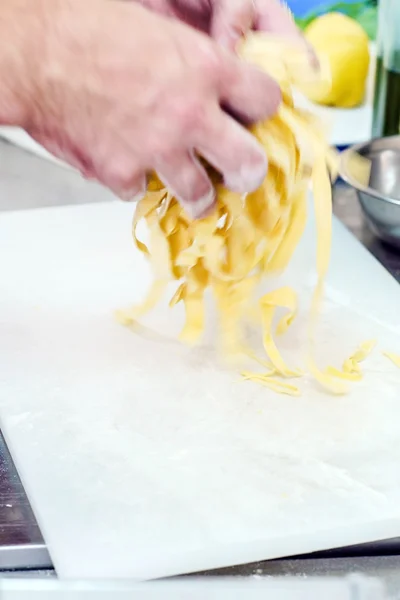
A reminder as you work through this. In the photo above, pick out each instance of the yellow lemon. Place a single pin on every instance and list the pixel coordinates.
(344, 44)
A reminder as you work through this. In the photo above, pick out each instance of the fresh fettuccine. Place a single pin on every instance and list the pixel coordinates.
(249, 238)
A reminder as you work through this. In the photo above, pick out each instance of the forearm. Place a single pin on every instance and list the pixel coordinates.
(21, 38)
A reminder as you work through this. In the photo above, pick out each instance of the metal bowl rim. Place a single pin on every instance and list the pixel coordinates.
(356, 184)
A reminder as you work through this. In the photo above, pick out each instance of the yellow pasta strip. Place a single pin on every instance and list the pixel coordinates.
(351, 370)
(323, 216)
(249, 238)
(328, 381)
(293, 233)
(194, 325)
(274, 384)
(359, 167)
(281, 298)
(128, 316)
(351, 364)
(147, 206)
(161, 262)
(395, 358)
(332, 371)
(261, 362)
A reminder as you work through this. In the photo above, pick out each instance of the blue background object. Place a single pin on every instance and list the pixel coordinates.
(301, 8)
(365, 12)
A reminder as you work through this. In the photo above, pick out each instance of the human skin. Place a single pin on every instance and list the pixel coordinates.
(229, 20)
(118, 89)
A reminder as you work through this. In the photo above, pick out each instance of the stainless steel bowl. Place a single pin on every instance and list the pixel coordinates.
(378, 190)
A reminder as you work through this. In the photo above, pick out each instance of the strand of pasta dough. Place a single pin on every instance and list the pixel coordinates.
(248, 238)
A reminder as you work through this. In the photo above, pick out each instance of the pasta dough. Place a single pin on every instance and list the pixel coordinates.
(250, 237)
(395, 358)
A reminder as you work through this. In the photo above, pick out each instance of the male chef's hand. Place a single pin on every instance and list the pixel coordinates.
(228, 20)
(118, 91)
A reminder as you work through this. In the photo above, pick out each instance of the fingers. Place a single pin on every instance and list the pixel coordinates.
(247, 92)
(275, 17)
(227, 146)
(185, 177)
(123, 175)
(136, 190)
(231, 20)
(235, 153)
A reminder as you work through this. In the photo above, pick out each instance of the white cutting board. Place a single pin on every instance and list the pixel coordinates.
(142, 458)
(206, 588)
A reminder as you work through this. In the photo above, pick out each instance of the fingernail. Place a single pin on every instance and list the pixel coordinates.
(248, 178)
(201, 207)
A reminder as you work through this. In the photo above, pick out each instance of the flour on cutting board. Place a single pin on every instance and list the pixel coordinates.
(159, 459)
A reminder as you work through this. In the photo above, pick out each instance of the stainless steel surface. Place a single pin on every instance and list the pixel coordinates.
(30, 182)
(386, 568)
(21, 543)
(380, 196)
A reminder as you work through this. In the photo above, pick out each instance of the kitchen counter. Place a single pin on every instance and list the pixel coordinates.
(27, 181)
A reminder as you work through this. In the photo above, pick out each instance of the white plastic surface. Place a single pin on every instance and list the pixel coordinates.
(143, 458)
(288, 588)
(347, 126)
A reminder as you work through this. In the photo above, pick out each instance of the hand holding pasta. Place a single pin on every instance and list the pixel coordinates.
(227, 21)
(251, 236)
(117, 91)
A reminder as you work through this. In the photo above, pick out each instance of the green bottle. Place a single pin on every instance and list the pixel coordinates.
(386, 109)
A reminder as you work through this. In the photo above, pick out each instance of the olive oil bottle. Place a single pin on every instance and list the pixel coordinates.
(386, 109)
(387, 120)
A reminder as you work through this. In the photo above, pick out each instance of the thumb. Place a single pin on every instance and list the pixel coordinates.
(231, 20)
(275, 17)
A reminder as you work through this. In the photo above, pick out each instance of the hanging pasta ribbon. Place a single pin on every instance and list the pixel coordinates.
(248, 238)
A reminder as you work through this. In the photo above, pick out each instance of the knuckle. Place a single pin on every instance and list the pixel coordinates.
(120, 173)
(158, 147)
(123, 177)
(190, 114)
(196, 117)
(209, 61)
(265, 97)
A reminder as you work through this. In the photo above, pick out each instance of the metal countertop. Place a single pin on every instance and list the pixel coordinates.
(27, 181)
